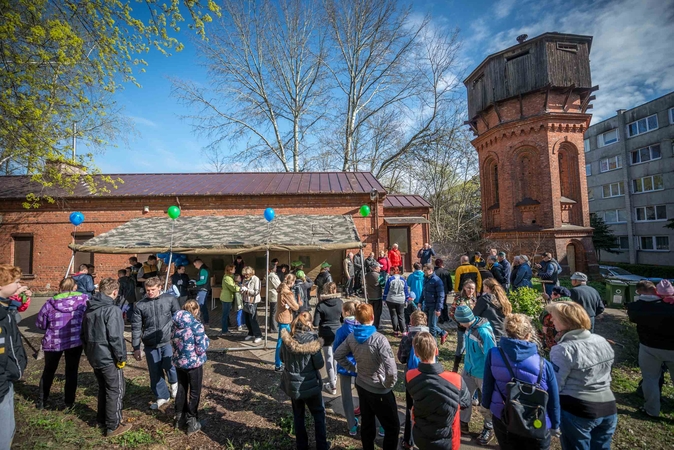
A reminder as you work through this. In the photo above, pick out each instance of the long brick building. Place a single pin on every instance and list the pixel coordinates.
(37, 240)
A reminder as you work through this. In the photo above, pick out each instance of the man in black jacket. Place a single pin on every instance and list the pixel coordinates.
(103, 338)
(181, 280)
(151, 322)
(586, 296)
(497, 271)
(446, 279)
(654, 320)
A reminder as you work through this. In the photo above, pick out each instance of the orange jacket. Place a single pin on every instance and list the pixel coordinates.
(395, 257)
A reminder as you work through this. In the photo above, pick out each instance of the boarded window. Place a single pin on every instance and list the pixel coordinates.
(23, 253)
(83, 257)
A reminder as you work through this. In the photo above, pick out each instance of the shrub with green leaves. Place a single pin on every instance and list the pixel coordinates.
(527, 301)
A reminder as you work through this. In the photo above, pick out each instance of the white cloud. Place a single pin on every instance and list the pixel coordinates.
(504, 8)
(144, 121)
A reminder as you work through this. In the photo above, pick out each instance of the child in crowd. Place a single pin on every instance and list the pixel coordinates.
(346, 377)
(479, 340)
(375, 377)
(437, 395)
(127, 292)
(466, 297)
(407, 356)
(301, 379)
(410, 307)
(190, 343)
(285, 309)
(238, 303)
(327, 319)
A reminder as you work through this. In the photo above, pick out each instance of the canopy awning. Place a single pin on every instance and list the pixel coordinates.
(405, 220)
(227, 235)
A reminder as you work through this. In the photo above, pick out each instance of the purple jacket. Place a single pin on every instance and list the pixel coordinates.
(62, 317)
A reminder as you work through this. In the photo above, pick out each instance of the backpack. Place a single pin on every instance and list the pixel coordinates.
(524, 404)
(413, 360)
(396, 290)
(558, 268)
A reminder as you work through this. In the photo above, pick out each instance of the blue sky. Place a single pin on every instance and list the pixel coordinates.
(631, 61)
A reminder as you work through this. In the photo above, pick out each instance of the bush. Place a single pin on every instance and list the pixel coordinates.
(527, 301)
(646, 270)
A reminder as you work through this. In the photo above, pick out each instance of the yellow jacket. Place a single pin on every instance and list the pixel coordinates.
(467, 271)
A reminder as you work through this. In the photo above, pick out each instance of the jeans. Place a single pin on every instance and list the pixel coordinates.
(202, 300)
(376, 307)
(224, 321)
(158, 364)
(279, 343)
(475, 384)
(189, 380)
(111, 389)
(347, 399)
(460, 341)
(397, 311)
(650, 362)
(7, 419)
(317, 410)
(587, 434)
(251, 323)
(273, 324)
(592, 324)
(433, 323)
(330, 366)
(509, 441)
(349, 287)
(51, 363)
(239, 318)
(384, 408)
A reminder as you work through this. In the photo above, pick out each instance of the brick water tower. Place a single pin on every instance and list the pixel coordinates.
(528, 108)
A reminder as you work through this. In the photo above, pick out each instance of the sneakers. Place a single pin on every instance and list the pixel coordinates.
(356, 412)
(193, 425)
(174, 390)
(181, 421)
(121, 429)
(443, 338)
(327, 387)
(354, 429)
(159, 403)
(465, 429)
(278, 369)
(381, 431)
(249, 338)
(485, 437)
(257, 340)
(239, 328)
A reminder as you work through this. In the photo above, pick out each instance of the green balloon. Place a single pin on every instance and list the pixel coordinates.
(364, 210)
(174, 212)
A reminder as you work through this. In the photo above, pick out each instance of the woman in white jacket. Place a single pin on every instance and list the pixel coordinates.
(250, 291)
(582, 362)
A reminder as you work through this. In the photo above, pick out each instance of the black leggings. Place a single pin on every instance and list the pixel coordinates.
(252, 324)
(397, 311)
(189, 380)
(51, 363)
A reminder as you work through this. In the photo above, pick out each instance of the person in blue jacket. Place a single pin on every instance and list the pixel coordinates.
(522, 272)
(416, 282)
(521, 350)
(433, 296)
(346, 377)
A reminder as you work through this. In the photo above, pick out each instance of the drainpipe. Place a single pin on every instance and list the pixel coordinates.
(375, 247)
(622, 132)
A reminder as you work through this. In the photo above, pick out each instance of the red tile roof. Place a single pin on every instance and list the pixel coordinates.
(203, 184)
(405, 201)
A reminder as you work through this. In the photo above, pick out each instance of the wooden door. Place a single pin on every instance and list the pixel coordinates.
(571, 257)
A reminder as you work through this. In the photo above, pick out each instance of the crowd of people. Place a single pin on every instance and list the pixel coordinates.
(524, 399)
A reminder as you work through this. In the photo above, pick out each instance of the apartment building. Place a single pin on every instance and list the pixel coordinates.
(630, 180)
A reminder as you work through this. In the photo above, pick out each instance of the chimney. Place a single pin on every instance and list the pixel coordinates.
(521, 38)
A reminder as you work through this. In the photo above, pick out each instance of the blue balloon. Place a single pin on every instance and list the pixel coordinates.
(269, 214)
(76, 218)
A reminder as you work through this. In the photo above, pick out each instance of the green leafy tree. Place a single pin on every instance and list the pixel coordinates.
(670, 224)
(61, 61)
(602, 238)
(527, 301)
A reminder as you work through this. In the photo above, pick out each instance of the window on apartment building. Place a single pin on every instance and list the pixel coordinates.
(651, 213)
(23, 253)
(642, 126)
(671, 115)
(607, 138)
(621, 243)
(613, 190)
(647, 184)
(590, 194)
(586, 145)
(612, 163)
(646, 154)
(588, 169)
(614, 216)
(654, 243)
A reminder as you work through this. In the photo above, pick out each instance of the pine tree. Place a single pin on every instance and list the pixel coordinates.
(602, 238)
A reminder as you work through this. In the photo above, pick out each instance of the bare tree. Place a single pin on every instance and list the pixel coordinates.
(265, 63)
(216, 159)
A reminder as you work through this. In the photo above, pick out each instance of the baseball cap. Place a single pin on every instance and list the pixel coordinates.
(325, 265)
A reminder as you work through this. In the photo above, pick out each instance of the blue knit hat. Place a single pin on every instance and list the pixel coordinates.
(463, 314)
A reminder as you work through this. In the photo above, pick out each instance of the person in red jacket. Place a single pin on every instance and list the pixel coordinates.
(383, 261)
(395, 258)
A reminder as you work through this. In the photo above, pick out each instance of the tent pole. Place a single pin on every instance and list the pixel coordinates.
(266, 304)
(70, 264)
(168, 267)
(362, 273)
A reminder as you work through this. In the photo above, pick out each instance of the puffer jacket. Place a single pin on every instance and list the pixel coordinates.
(340, 336)
(189, 341)
(61, 317)
(525, 362)
(327, 317)
(13, 358)
(377, 371)
(582, 363)
(399, 296)
(152, 320)
(522, 276)
(433, 293)
(303, 360)
(479, 340)
(103, 332)
(485, 307)
(85, 283)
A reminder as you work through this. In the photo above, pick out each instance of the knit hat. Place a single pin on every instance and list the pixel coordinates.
(664, 288)
(579, 276)
(463, 314)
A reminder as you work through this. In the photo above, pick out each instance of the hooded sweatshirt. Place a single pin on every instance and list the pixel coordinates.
(85, 283)
(340, 336)
(416, 284)
(61, 317)
(103, 332)
(327, 317)
(189, 341)
(525, 363)
(654, 320)
(479, 340)
(13, 358)
(377, 371)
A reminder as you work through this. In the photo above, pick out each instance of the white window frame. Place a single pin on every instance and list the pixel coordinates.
(618, 240)
(621, 189)
(653, 243)
(586, 145)
(641, 180)
(647, 126)
(617, 160)
(655, 213)
(601, 139)
(650, 153)
(588, 170)
(604, 216)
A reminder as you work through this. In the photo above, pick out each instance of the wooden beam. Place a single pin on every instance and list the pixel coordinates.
(498, 113)
(568, 95)
(586, 101)
(472, 126)
(486, 124)
(547, 94)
